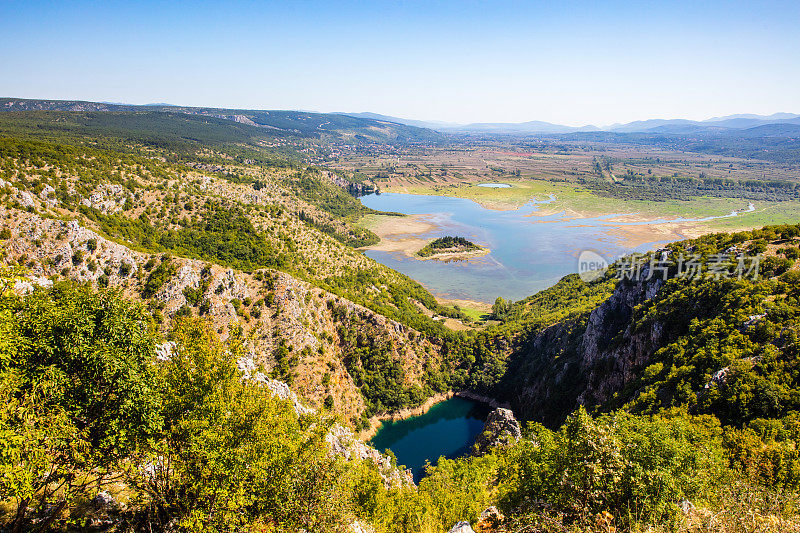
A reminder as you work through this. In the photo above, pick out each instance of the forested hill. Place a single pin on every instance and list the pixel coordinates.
(270, 122)
(200, 216)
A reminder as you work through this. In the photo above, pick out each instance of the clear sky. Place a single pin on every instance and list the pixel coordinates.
(463, 61)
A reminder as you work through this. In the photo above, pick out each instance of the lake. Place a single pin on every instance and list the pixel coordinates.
(447, 429)
(528, 252)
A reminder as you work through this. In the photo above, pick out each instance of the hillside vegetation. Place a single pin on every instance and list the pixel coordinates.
(161, 295)
(235, 125)
(138, 206)
(445, 245)
(181, 441)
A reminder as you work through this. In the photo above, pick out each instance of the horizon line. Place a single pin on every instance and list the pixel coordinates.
(450, 123)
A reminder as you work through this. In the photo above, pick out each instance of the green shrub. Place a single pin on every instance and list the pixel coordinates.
(77, 394)
(636, 468)
(244, 456)
(164, 272)
(124, 269)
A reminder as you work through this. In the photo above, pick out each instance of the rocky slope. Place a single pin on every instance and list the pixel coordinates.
(500, 429)
(323, 316)
(271, 308)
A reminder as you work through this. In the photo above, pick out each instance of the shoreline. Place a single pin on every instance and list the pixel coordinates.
(399, 234)
(491, 402)
(649, 229)
(402, 234)
(376, 421)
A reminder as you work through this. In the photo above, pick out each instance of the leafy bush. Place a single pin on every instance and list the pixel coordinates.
(635, 468)
(124, 269)
(78, 394)
(239, 458)
(158, 277)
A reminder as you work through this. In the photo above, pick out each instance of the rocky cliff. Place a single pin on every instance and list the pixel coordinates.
(500, 429)
(584, 360)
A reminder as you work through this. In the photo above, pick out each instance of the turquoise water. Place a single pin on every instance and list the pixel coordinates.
(448, 429)
(528, 253)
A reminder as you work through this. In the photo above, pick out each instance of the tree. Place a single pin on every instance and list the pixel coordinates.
(500, 309)
(232, 456)
(41, 453)
(78, 395)
(635, 468)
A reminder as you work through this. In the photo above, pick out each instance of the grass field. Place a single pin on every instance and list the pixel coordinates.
(475, 313)
(581, 202)
(766, 213)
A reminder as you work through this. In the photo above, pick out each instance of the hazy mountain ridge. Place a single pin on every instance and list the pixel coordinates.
(376, 126)
(300, 123)
(666, 126)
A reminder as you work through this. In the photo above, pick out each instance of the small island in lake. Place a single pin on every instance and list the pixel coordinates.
(451, 248)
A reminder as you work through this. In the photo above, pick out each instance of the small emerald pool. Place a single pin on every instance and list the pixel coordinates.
(447, 429)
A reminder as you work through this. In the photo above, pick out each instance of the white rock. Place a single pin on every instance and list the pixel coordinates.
(26, 199)
(718, 378)
(360, 527)
(46, 193)
(105, 501)
(461, 527)
(26, 285)
(165, 351)
(108, 198)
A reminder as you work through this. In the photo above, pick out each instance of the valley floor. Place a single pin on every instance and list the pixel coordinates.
(655, 221)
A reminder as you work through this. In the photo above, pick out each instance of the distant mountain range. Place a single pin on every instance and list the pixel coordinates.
(264, 122)
(372, 127)
(717, 125)
(534, 126)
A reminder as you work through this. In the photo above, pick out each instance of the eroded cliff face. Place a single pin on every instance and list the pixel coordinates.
(611, 349)
(585, 360)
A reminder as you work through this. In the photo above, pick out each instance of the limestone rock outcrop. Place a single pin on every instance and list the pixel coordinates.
(584, 360)
(341, 440)
(490, 520)
(501, 429)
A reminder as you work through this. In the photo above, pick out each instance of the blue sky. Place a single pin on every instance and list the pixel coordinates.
(463, 61)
